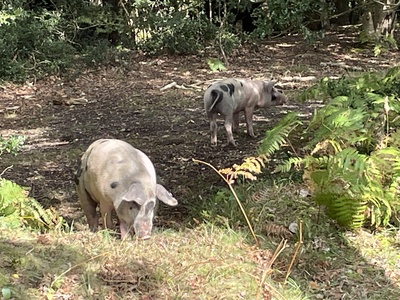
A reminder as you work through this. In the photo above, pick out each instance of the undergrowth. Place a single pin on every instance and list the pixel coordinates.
(351, 162)
(17, 209)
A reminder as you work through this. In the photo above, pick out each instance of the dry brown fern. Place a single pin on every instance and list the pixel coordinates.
(260, 195)
(274, 230)
(250, 166)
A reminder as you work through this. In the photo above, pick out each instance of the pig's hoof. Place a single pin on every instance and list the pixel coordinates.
(230, 145)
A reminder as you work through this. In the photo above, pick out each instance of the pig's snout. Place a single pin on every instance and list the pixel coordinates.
(143, 235)
(143, 231)
(146, 237)
(279, 98)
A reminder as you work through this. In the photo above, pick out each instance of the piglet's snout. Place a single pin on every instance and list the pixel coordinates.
(278, 97)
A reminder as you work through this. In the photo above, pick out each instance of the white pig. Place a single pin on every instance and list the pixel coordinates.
(116, 176)
(231, 96)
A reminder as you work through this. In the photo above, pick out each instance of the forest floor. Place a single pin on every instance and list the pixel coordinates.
(61, 117)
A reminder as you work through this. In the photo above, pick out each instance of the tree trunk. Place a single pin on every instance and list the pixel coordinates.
(378, 21)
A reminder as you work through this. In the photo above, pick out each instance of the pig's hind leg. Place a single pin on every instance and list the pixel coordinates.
(228, 128)
(89, 208)
(249, 121)
(213, 128)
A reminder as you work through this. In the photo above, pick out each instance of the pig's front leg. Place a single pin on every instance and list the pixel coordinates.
(228, 128)
(249, 121)
(213, 127)
(105, 211)
(89, 208)
(236, 122)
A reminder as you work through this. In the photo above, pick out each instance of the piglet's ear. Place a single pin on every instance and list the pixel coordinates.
(165, 196)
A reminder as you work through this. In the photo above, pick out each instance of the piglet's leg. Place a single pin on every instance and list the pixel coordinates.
(249, 121)
(213, 127)
(228, 128)
(236, 122)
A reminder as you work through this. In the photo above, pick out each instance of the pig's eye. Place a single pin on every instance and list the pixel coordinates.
(131, 207)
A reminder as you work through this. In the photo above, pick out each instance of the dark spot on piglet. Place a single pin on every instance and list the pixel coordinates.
(231, 88)
(114, 185)
(273, 97)
(224, 88)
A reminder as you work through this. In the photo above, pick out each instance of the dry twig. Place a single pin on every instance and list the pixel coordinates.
(299, 243)
(235, 195)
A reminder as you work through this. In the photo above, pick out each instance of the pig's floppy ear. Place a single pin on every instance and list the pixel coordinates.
(135, 193)
(269, 86)
(165, 196)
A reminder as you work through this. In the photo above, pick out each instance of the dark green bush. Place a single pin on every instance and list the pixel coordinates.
(32, 44)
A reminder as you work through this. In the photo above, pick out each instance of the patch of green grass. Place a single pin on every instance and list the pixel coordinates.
(329, 263)
(206, 262)
(300, 69)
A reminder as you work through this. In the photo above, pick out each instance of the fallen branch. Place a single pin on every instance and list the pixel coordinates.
(168, 86)
(5, 170)
(182, 87)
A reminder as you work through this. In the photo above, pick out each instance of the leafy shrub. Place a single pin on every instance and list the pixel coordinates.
(19, 210)
(352, 155)
(172, 31)
(282, 16)
(353, 166)
(16, 208)
(32, 43)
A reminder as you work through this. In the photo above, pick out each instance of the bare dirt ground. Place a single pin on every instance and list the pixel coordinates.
(61, 117)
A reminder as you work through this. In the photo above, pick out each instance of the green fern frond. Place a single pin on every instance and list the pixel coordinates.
(347, 211)
(276, 137)
(354, 163)
(350, 160)
(392, 75)
(286, 166)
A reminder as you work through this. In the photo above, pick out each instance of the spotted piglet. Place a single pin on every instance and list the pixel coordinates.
(231, 96)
